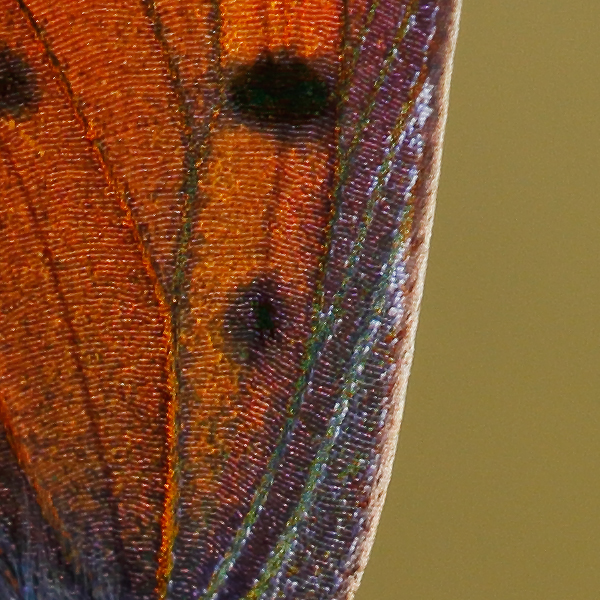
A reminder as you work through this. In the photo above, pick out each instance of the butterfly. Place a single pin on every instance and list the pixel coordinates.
(214, 223)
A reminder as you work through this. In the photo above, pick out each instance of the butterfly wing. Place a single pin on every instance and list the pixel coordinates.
(314, 513)
(214, 228)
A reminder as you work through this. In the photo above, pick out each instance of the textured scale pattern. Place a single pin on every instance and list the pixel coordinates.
(214, 220)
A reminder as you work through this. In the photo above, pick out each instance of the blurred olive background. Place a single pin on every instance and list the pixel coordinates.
(496, 488)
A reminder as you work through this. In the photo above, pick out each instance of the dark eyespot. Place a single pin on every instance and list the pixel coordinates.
(18, 89)
(252, 319)
(281, 90)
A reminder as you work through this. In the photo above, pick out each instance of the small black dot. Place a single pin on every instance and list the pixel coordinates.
(18, 89)
(283, 90)
(252, 320)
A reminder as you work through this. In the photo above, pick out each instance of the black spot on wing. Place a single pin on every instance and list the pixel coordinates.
(279, 90)
(18, 86)
(252, 320)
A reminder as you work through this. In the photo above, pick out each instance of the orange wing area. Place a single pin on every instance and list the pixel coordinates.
(191, 41)
(135, 93)
(311, 29)
(121, 85)
(212, 230)
(84, 347)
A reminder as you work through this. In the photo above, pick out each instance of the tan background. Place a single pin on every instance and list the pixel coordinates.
(496, 489)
